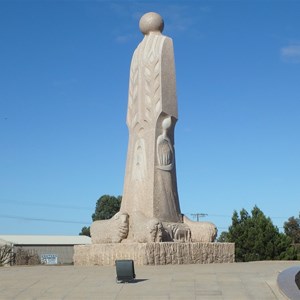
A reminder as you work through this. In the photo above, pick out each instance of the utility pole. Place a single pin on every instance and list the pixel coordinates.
(198, 216)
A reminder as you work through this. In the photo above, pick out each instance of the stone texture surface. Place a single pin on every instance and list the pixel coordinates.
(150, 185)
(113, 230)
(143, 229)
(201, 231)
(150, 228)
(150, 210)
(154, 253)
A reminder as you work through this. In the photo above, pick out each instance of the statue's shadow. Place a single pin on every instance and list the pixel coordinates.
(134, 281)
(139, 280)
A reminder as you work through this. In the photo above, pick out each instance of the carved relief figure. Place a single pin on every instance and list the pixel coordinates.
(113, 230)
(165, 153)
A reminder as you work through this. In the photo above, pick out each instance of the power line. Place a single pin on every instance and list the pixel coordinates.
(29, 203)
(198, 216)
(211, 215)
(43, 220)
(195, 215)
(69, 222)
(228, 216)
(66, 206)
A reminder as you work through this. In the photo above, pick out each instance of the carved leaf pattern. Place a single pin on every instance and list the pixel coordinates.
(133, 94)
(152, 85)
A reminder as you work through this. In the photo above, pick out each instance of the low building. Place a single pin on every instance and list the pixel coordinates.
(51, 249)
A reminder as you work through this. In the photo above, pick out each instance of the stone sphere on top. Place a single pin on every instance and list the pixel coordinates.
(151, 22)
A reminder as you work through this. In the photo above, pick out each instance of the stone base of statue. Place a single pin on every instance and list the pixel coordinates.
(154, 253)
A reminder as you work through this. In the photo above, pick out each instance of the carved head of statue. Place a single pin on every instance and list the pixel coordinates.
(151, 22)
(166, 123)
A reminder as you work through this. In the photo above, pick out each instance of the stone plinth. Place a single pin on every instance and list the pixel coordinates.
(154, 253)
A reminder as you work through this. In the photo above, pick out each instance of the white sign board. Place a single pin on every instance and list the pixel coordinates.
(49, 259)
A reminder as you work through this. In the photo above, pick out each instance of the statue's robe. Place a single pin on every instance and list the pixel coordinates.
(150, 185)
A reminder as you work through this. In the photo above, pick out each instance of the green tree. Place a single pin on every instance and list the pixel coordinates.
(106, 207)
(223, 237)
(292, 229)
(256, 238)
(85, 231)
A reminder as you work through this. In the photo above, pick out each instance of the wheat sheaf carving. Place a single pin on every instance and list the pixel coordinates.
(133, 94)
(152, 86)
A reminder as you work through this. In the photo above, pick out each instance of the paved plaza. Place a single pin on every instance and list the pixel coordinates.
(254, 280)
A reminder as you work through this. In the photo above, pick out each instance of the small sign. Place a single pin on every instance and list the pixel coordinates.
(49, 259)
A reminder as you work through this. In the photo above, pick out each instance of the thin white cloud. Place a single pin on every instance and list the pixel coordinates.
(181, 18)
(178, 18)
(291, 53)
(126, 38)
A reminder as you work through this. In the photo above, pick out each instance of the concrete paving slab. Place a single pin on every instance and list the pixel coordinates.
(254, 280)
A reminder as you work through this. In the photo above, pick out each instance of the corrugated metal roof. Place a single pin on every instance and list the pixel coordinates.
(47, 239)
(3, 242)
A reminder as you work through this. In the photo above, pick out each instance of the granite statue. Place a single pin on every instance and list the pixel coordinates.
(150, 209)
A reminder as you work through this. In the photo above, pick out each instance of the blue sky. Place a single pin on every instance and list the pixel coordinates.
(64, 69)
